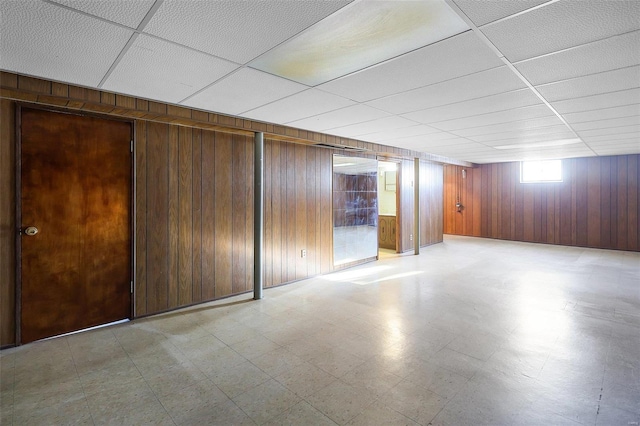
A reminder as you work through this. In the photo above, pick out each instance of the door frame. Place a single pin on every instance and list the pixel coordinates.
(398, 162)
(18, 172)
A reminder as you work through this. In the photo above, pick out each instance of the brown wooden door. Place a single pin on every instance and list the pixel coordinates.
(76, 190)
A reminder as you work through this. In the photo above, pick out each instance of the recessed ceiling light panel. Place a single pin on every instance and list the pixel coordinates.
(360, 35)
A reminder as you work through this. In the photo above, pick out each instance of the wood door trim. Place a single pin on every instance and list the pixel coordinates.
(18, 172)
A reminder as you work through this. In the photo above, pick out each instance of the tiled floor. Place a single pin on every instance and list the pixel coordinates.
(472, 331)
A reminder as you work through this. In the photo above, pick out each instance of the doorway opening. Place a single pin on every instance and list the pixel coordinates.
(388, 206)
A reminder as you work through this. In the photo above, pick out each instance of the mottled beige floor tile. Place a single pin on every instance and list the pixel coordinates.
(266, 401)
(371, 377)
(413, 401)
(301, 414)
(381, 415)
(254, 347)
(435, 378)
(48, 395)
(277, 361)
(75, 411)
(120, 375)
(336, 362)
(222, 414)
(125, 399)
(238, 379)
(235, 333)
(305, 379)
(341, 402)
(219, 361)
(193, 402)
(151, 413)
(174, 378)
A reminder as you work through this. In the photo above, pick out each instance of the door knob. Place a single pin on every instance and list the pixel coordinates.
(31, 231)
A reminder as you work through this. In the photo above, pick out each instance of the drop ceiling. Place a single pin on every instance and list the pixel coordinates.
(480, 81)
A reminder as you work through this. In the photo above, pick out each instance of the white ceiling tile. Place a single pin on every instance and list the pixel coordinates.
(483, 12)
(594, 84)
(603, 55)
(360, 35)
(301, 105)
(532, 139)
(494, 103)
(125, 12)
(629, 137)
(243, 90)
(454, 57)
(602, 114)
(77, 49)
(605, 100)
(374, 126)
(515, 114)
(338, 118)
(560, 25)
(236, 30)
(485, 83)
(603, 124)
(156, 69)
(616, 150)
(609, 131)
(422, 145)
(552, 152)
(514, 126)
(522, 133)
(417, 130)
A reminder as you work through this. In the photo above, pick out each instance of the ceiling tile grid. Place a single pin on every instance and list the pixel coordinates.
(448, 92)
(594, 84)
(483, 12)
(361, 35)
(156, 69)
(604, 100)
(499, 117)
(478, 85)
(296, 107)
(243, 90)
(236, 30)
(374, 126)
(454, 57)
(78, 48)
(125, 12)
(560, 25)
(603, 55)
(520, 125)
(338, 118)
(488, 104)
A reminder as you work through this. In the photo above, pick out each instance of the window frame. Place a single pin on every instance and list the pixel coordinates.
(522, 166)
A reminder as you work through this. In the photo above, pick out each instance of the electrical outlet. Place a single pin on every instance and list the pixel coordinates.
(410, 237)
(303, 253)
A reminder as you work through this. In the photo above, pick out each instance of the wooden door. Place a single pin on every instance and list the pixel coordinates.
(75, 188)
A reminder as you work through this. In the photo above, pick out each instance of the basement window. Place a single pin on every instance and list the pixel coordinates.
(541, 171)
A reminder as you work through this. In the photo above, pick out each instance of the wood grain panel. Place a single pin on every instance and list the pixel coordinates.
(223, 191)
(174, 200)
(157, 217)
(249, 168)
(208, 248)
(289, 272)
(300, 194)
(7, 222)
(196, 164)
(140, 294)
(596, 205)
(238, 216)
(185, 217)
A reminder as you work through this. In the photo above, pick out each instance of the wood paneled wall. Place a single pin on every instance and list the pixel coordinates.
(297, 212)
(7, 222)
(405, 215)
(431, 203)
(194, 216)
(596, 205)
(194, 196)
